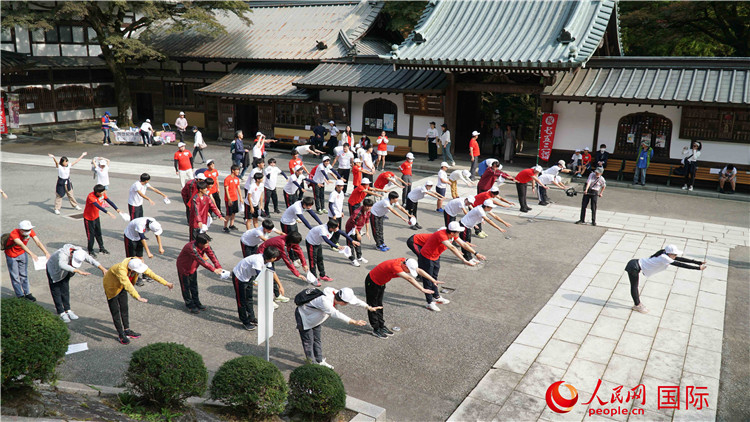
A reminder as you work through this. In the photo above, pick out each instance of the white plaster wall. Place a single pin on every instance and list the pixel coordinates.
(360, 98)
(422, 123)
(7, 47)
(74, 50)
(575, 126)
(22, 40)
(36, 118)
(46, 49)
(94, 50)
(68, 115)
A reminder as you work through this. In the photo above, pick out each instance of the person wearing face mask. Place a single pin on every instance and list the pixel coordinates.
(601, 157)
(16, 257)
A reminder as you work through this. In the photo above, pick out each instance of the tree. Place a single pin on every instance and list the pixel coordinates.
(402, 16)
(686, 28)
(123, 28)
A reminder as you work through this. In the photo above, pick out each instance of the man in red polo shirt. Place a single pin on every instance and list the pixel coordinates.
(406, 176)
(16, 257)
(359, 194)
(522, 180)
(474, 154)
(388, 177)
(375, 282)
(94, 204)
(183, 164)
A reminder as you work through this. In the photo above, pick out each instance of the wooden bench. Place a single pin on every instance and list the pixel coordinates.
(667, 170)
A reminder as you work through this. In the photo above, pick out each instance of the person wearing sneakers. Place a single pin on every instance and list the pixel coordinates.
(319, 177)
(293, 189)
(412, 201)
(476, 216)
(336, 208)
(135, 236)
(289, 250)
(691, 163)
(442, 184)
(181, 123)
(312, 314)
(455, 176)
(118, 282)
(474, 154)
(522, 181)
(190, 189)
(252, 238)
(272, 173)
(183, 164)
(492, 175)
(355, 225)
(232, 195)
(100, 167)
(17, 257)
(654, 264)
(295, 212)
(386, 179)
(548, 179)
(64, 186)
(594, 190)
(455, 206)
(137, 194)
(63, 264)
(147, 133)
(95, 203)
(344, 158)
(378, 214)
(200, 205)
(382, 143)
(243, 278)
(314, 242)
(429, 259)
(360, 193)
(356, 172)
(375, 282)
(192, 255)
(406, 174)
(254, 200)
(213, 174)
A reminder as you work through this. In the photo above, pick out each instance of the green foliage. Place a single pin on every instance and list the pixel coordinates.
(166, 374)
(252, 385)
(518, 110)
(685, 28)
(34, 341)
(316, 391)
(402, 16)
(133, 409)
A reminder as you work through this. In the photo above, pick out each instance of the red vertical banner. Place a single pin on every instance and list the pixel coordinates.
(547, 135)
(3, 121)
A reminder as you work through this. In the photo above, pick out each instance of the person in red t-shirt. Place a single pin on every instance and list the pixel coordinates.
(16, 256)
(474, 154)
(359, 194)
(416, 241)
(183, 164)
(378, 277)
(585, 162)
(354, 228)
(388, 177)
(382, 142)
(522, 180)
(232, 193)
(406, 176)
(357, 172)
(95, 203)
(213, 174)
(490, 176)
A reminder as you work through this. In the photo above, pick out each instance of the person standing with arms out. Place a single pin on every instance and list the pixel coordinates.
(17, 257)
(412, 201)
(95, 203)
(146, 131)
(319, 177)
(100, 167)
(272, 173)
(497, 141)
(594, 190)
(522, 180)
(183, 164)
(293, 188)
(728, 174)
(382, 142)
(431, 137)
(691, 163)
(106, 128)
(243, 279)
(253, 200)
(314, 242)
(445, 141)
(118, 282)
(213, 174)
(509, 138)
(313, 310)
(198, 144)
(137, 194)
(194, 253)
(259, 147)
(356, 226)
(64, 185)
(200, 205)
(345, 158)
(378, 214)
(406, 175)
(61, 266)
(290, 216)
(442, 184)
(238, 150)
(232, 194)
(182, 125)
(375, 282)
(333, 140)
(360, 193)
(474, 154)
(656, 263)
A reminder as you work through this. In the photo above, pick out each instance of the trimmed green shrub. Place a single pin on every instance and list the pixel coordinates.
(165, 374)
(252, 385)
(316, 391)
(34, 341)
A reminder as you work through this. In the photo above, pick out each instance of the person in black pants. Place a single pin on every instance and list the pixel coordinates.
(595, 186)
(63, 264)
(243, 278)
(192, 255)
(91, 221)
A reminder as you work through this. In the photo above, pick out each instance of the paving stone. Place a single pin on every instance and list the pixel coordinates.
(517, 358)
(617, 308)
(662, 277)
(678, 321)
(596, 349)
(708, 318)
(605, 280)
(550, 315)
(576, 414)
(710, 285)
(564, 298)
(612, 267)
(694, 415)
(535, 335)
(713, 272)
(621, 256)
(703, 362)
(696, 380)
(626, 246)
(586, 270)
(521, 407)
(706, 338)
(671, 341)
(496, 386)
(643, 324)
(474, 410)
(558, 353)
(595, 295)
(685, 287)
(663, 365)
(538, 378)
(624, 370)
(634, 345)
(657, 290)
(582, 373)
(608, 327)
(584, 311)
(576, 283)
(649, 415)
(652, 393)
(572, 331)
(681, 303)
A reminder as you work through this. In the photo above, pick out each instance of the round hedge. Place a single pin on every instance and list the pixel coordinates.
(34, 341)
(252, 385)
(316, 391)
(166, 374)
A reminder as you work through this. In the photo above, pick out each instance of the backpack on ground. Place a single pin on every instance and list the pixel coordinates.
(307, 295)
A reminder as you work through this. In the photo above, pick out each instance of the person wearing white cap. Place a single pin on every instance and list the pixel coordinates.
(313, 309)
(455, 206)
(412, 201)
(654, 264)
(63, 264)
(575, 163)
(429, 259)
(475, 217)
(336, 208)
(17, 255)
(406, 174)
(359, 193)
(474, 153)
(100, 167)
(183, 164)
(557, 168)
(182, 125)
(135, 237)
(378, 214)
(314, 242)
(594, 190)
(147, 131)
(137, 193)
(382, 143)
(259, 148)
(345, 157)
(333, 140)
(187, 193)
(319, 176)
(442, 184)
(375, 282)
(431, 138)
(548, 179)
(522, 180)
(455, 176)
(118, 282)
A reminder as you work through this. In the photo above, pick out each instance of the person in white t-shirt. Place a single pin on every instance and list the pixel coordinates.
(473, 218)
(243, 276)
(548, 179)
(252, 238)
(319, 176)
(344, 157)
(314, 243)
(336, 207)
(295, 212)
(365, 154)
(293, 189)
(137, 194)
(254, 200)
(656, 263)
(100, 167)
(442, 184)
(456, 206)
(307, 149)
(432, 138)
(457, 175)
(271, 173)
(135, 237)
(556, 169)
(147, 133)
(378, 214)
(64, 185)
(728, 174)
(417, 194)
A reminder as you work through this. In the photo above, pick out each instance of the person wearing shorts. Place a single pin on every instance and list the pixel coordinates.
(232, 194)
(253, 200)
(382, 142)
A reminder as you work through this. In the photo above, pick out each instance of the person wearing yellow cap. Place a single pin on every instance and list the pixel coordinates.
(118, 282)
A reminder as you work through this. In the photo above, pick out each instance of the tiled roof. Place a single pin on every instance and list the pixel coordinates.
(657, 80)
(510, 34)
(259, 83)
(373, 77)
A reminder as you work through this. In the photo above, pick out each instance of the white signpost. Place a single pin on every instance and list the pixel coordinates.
(265, 308)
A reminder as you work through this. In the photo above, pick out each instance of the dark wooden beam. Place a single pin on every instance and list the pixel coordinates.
(597, 120)
(503, 89)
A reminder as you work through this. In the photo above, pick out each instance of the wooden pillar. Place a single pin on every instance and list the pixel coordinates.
(451, 99)
(411, 129)
(349, 109)
(597, 119)
(54, 93)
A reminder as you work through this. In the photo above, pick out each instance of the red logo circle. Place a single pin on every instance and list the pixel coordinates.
(557, 402)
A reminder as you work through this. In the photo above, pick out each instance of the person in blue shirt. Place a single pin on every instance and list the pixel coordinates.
(645, 153)
(238, 150)
(106, 128)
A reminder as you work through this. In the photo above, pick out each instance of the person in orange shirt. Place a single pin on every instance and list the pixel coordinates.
(213, 189)
(474, 154)
(232, 194)
(382, 142)
(183, 164)
(356, 173)
(16, 257)
(95, 203)
(406, 175)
